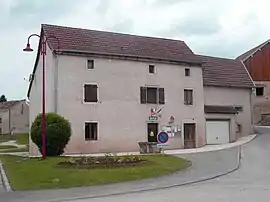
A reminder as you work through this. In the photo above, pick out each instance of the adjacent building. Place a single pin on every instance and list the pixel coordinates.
(257, 62)
(14, 117)
(118, 90)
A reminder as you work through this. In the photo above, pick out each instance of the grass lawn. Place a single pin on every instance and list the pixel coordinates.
(20, 138)
(32, 174)
(7, 147)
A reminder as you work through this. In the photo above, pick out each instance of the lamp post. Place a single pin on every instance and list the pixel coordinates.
(43, 53)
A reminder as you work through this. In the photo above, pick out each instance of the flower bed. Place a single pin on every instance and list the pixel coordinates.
(106, 161)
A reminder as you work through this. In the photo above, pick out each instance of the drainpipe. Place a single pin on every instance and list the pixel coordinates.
(251, 109)
(9, 121)
(55, 82)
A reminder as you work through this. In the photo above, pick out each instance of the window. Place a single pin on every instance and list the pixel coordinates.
(90, 131)
(239, 108)
(259, 91)
(90, 93)
(0, 120)
(188, 97)
(152, 95)
(90, 64)
(187, 72)
(151, 69)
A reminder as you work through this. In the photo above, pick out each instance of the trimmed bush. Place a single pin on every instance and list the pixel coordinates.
(58, 132)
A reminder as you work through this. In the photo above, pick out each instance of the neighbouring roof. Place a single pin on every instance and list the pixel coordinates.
(103, 42)
(225, 72)
(9, 104)
(219, 109)
(250, 52)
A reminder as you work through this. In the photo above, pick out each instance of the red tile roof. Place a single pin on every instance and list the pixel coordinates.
(218, 72)
(92, 41)
(225, 72)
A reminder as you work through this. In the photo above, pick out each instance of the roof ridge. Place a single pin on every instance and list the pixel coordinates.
(112, 32)
(209, 56)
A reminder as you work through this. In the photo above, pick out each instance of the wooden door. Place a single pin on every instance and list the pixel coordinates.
(189, 135)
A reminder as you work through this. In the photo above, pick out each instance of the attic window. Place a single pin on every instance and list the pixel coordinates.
(151, 69)
(90, 64)
(187, 72)
(259, 91)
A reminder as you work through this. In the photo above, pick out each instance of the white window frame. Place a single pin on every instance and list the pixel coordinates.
(97, 131)
(189, 72)
(155, 69)
(87, 64)
(97, 93)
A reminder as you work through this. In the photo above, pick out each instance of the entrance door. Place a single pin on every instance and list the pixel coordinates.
(189, 135)
(152, 129)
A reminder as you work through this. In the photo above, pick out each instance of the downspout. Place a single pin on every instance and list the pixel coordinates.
(9, 121)
(55, 82)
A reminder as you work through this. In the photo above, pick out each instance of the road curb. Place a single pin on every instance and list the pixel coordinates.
(161, 187)
(4, 178)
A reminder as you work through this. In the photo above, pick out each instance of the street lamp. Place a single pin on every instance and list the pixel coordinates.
(43, 53)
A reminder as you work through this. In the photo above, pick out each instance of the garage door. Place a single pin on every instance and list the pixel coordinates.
(217, 132)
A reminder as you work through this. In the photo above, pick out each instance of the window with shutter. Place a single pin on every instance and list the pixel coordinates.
(161, 95)
(90, 93)
(151, 95)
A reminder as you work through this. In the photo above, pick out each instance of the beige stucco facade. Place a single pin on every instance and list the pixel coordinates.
(231, 96)
(15, 120)
(122, 119)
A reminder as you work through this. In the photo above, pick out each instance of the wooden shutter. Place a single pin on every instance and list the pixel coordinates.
(161, 96)
(90, 93)
(143, 95)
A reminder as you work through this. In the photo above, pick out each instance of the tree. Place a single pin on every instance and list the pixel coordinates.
(3, 98)
(58, 132)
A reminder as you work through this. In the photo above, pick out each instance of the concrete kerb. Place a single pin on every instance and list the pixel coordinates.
(4, 178)
(161, 187)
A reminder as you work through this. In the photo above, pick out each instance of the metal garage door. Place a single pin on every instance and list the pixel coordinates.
(217, 131)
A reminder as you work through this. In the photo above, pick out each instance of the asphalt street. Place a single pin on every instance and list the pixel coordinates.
(251, 182)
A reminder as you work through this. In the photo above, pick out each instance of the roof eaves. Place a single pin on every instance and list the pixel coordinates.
(196, 63)
(256, 50)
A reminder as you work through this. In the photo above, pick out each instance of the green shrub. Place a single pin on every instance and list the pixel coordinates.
(58, 132)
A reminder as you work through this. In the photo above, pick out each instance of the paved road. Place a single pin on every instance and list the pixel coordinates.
(250, 183)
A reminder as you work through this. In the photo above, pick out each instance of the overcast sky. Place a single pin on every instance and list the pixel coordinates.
(224, 28)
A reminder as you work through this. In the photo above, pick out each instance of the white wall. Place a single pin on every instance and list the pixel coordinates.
(122, 119)
(232, 96)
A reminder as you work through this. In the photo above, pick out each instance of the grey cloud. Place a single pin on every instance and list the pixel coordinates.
(124, 26)
(28, 13)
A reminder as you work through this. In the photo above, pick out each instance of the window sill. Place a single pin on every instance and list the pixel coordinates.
(90, 140)
(91, 102)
